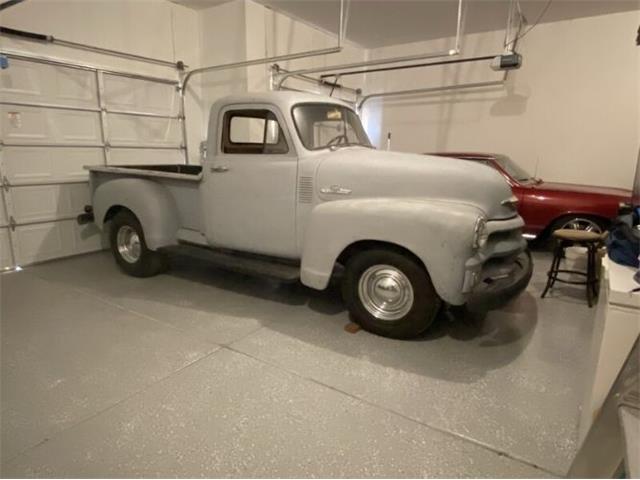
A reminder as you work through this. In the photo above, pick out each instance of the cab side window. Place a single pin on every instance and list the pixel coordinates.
(252, 132)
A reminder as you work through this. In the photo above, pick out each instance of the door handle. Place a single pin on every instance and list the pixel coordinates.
(219, 169)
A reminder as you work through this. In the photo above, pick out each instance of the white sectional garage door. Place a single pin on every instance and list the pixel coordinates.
(6, 251)
(57, 118)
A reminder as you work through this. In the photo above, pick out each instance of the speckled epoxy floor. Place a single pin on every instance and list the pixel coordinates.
(202, 373)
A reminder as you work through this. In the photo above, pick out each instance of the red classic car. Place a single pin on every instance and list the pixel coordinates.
(547, 206)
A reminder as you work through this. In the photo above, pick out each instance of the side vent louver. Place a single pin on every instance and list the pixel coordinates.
(305, 190)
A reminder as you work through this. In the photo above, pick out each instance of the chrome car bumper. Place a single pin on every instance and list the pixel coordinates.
(501, 282)
(502, 268)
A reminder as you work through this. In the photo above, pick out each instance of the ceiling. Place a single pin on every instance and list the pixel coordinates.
(377, 23)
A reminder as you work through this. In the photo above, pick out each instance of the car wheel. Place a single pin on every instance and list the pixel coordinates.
(389, 293)
(130, 249)
(580, 222)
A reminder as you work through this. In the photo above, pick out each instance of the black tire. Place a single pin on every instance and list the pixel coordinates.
(149, 263)
(424, 308)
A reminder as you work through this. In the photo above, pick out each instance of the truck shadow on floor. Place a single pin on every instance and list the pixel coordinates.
(462, 345)
(479, 340)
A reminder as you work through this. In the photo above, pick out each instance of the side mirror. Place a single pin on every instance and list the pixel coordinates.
(272, 132)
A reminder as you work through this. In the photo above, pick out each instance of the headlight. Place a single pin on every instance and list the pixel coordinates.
(480, 233)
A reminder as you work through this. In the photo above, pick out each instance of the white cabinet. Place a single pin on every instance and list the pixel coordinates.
(616, 328)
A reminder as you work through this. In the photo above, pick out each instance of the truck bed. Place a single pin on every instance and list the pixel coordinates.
(182, 183)
(176, 171)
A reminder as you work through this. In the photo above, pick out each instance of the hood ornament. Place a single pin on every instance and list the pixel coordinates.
(512, 202)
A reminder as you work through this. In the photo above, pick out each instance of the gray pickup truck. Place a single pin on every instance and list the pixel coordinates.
(292, 188)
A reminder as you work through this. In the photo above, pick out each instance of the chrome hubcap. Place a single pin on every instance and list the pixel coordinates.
(582, 224)
(385, 292)
(128, 243)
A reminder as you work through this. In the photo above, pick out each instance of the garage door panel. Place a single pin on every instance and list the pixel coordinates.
(77, 127)
(49, 202)
(4, 218)
(5, 248)
(37, 125)
(46, 164)
(134, 156)
(48, 142)
(136, 95)
(88, 238)
(45, 241)
(42, 242)
(133, 130)
(33, 82)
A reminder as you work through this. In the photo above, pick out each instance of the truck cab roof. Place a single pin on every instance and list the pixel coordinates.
(283, 100)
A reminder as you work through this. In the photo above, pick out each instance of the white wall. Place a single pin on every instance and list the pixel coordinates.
(245, 30)
(571, 113)
(248, 30)
(273, 34)
(222, 37)
(151, 28)
(222, 33)
(230, 32)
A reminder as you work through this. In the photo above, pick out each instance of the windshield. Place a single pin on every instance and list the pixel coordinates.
(323, 125)
(513, 169)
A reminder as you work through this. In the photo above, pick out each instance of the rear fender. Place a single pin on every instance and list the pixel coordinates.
(150, 201)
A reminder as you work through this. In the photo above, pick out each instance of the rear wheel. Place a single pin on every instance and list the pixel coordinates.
(580, 222)
(130, 249)
(389, 293)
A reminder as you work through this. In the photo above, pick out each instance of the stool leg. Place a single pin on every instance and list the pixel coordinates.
(553, 270)
(590, 268)
(596, 279)
(555, 265)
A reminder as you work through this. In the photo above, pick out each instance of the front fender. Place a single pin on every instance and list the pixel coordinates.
(439, 233)
(150, 201)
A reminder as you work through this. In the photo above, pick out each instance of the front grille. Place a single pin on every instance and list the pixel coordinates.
(504, 243)
(503, 235)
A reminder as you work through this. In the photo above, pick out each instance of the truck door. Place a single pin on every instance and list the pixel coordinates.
(250, 182)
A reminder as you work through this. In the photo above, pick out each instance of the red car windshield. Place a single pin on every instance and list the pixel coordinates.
(513, 169)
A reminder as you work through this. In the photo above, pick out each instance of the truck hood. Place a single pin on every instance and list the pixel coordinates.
(356, 172)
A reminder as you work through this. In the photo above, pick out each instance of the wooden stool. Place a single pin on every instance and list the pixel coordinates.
(566, 238)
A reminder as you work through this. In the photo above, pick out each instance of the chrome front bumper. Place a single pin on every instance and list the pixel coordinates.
(502, 268)
(503, 281)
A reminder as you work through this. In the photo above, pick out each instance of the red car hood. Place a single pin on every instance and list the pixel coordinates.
(569, 187)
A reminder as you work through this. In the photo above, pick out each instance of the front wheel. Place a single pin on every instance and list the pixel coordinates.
(130, 249)
(389, 293)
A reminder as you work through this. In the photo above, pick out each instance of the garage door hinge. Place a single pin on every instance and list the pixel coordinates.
(5, 183)
(12, 224)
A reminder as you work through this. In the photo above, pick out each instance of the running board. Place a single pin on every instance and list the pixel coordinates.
(241, 263)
